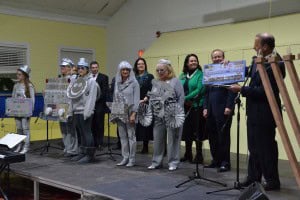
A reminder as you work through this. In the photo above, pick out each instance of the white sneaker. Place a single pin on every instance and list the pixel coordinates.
(123, 162)
(130, 164)
(172, 168)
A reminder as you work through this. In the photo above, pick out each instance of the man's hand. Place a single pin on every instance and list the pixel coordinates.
(235, 88)
(227, 111)
(205, 113)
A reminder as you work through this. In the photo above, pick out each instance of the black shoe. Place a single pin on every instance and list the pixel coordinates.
(224, 168)
(268, 186)
(212, 165)
(246, 182)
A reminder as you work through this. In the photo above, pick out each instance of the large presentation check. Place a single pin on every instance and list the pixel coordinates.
(222, 74)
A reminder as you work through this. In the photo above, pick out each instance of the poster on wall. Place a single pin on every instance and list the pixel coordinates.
(224, 74)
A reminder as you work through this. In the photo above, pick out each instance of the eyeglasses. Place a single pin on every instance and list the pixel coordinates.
(160, 71)
(79, 68)
(125, 69)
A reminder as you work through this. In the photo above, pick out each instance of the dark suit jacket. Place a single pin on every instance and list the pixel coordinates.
(217, 99)
(257, 106)
(102, 81)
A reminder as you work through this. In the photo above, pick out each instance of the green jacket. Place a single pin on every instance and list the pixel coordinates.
(195, 87)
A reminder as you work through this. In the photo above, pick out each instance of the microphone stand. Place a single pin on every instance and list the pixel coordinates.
(237, 184)
(196, 175)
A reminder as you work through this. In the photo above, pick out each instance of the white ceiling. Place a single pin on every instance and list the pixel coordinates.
(95, 12)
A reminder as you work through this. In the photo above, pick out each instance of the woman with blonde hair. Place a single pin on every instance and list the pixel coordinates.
(167, 92)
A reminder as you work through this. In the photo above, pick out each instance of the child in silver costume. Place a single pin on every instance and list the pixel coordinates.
(23, 89)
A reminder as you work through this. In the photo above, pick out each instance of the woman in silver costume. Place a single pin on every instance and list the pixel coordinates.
(23, 89)
(166, 91)
(127, 92)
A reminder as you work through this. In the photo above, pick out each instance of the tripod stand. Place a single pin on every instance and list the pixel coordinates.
(237, 184)
(109, 149)
(47, 145)
(196, 174)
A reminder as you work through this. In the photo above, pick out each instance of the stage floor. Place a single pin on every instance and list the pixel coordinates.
(105, 179)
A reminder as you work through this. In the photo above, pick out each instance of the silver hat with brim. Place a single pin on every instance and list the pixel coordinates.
(83, 63)
(26, 69)
(66, 62)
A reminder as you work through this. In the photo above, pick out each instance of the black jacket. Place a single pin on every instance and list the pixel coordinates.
(102, 81)
(258, 109)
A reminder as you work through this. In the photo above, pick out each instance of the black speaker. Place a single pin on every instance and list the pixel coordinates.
(255, 191)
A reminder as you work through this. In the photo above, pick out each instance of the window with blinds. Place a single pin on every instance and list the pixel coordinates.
(11, 58)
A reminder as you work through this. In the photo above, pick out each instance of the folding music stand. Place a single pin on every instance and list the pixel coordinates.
(109, 151)
(47, 145)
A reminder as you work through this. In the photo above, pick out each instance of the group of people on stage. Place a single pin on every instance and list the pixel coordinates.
(208, 113)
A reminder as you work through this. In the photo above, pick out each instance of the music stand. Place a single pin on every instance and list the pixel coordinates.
(196, 174)
(47, 145)
(109, 151)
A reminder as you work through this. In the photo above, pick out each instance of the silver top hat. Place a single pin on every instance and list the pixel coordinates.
(26, 69)
(66, 62)
(82, 62)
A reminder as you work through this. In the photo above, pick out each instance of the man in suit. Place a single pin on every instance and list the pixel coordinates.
(100, 107)
(218, 109)
(263, 157)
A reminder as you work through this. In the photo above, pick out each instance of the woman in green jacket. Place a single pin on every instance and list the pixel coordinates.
(193, 128)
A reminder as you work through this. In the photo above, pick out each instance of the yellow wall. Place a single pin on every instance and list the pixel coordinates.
(44, 39)
(237, 41)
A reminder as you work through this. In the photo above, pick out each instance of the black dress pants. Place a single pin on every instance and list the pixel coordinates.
(98, 128)
(218, 128)
(263, 158)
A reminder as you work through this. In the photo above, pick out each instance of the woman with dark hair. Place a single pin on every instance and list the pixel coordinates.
(23, 89)
(144, 79)
(193, 128)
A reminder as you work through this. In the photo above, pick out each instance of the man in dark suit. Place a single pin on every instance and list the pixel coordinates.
(100, 107)
(218, 109)
(263, 157)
